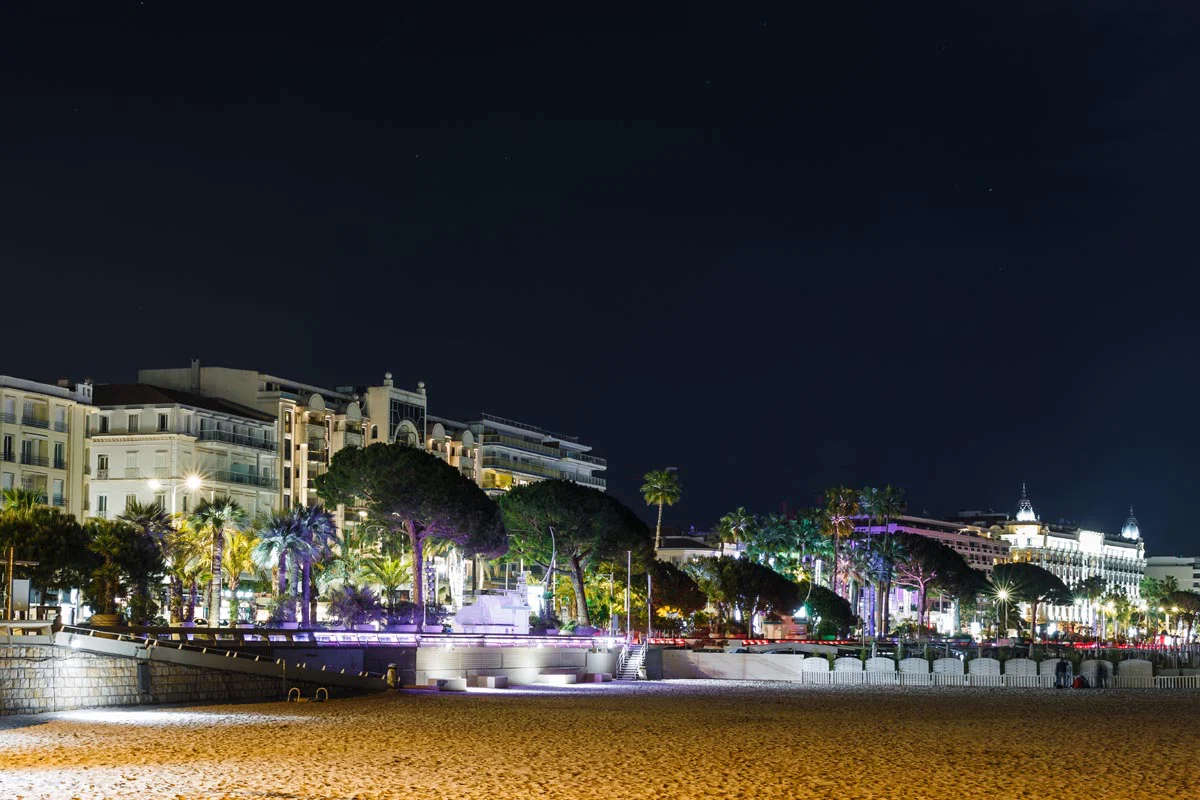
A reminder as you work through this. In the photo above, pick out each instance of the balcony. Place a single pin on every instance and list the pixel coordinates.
(585, 458)
(101, 474)
(210, 435)
(587, 480)
(519, 444)
(60, 463)
(7, 418)
(8, 455)
(34, 460)
(500, 462)
(35, 422)
(61, 427)
(59, 501)
(245, 478)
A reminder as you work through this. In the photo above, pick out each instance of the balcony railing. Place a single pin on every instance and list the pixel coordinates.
(101, 474)
(585, 458)
(518, 443)
(587, 480)
(245, 478)
(35, 460)
(60, 463)
(35, 422)
(61, 427)
(8, 455)
(8, 418)
(58, 500)
(210, 435)
(499, 462)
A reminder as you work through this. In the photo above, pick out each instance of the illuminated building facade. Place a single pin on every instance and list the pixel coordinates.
(1075, 554)
(499, 453)
(151, 444)
(42, 440)
(312, 423)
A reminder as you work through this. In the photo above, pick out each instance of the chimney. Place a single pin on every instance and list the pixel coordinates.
(195, 376)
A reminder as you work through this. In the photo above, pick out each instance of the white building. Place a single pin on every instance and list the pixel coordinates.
(499, 453)
(681, 550)
(312, 422)
(396, 415)
(42, 443)
(1185, 571)
(978, 547)
(1075, 554)
(153, 444)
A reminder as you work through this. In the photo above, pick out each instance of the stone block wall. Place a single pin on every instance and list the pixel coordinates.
(40, 678)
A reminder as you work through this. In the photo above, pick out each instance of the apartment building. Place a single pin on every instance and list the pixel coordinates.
(312, 422)
(42, 440)
(499, 453)
(1185, 571)
(155, 444)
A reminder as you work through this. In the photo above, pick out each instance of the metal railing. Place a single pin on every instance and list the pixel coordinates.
(101, 474)
(35, 460)
(519, 444)
(61, 427)
(8, 455)
(211, 435)
(35, 422)
(60, 463)
(245, 478)
(58, 500)
(585, 458)
(6, 417)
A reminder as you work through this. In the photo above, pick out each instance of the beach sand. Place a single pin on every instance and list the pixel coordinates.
(670, 739)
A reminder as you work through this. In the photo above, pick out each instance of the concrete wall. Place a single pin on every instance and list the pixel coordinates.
(40, 678)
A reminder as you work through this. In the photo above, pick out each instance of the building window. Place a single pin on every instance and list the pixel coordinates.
(163, 421)
(8, 447)
(185, 504)
(130, 499)
(60, 455)
(103, 423)
(160, 500)
(102, 463)
(132, 426)
(374, 431)
(102, 504)
(7, 481)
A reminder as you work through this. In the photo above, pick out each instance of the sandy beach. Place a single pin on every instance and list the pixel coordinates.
(685, 739)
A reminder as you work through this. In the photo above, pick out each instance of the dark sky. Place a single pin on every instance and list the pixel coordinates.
(779, 246)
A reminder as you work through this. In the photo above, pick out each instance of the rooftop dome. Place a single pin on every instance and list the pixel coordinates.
(1025, 508)
(1130, 529)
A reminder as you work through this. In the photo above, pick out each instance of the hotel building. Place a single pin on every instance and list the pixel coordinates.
(1074, 554)
(153, 444)
(312, 423)
(978, 547)
(42, 443)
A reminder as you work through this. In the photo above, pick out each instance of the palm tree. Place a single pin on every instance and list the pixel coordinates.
(841, 507)
(239, 561)
(319, 529)
(215, 516)
(153, 523)
(661, 489)
(282, 547)
(187, 562)
(738, 525)
(390, 574)
(887, 550)
(17, 500)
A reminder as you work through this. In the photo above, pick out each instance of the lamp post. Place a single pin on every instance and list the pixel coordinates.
(1002, 596)
(192, 483)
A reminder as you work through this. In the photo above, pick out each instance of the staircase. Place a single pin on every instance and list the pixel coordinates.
(630, 662)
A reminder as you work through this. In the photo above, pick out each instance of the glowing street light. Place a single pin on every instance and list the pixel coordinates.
(192, 483)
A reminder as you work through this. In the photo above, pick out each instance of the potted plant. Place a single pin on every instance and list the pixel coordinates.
(403, 618)
(283, 614)
(435, 617)
(106, 578)
(355, 607)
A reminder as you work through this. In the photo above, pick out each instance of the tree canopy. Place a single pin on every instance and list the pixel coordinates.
(552, 522)
(1029, 583)
(417, 494)
(742, 584)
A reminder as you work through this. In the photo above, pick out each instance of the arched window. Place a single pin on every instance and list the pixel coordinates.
(374, 431)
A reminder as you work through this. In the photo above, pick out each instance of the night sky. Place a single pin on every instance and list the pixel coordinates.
(779, 246)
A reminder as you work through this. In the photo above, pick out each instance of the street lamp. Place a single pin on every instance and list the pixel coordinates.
(192, 483)
(1002, 596)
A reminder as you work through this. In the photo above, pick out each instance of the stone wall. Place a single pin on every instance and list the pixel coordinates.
(40, 678)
